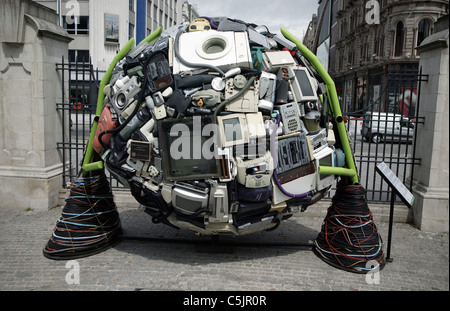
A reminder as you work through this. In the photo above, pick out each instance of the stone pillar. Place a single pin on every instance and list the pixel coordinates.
(431, 178)
(31, 44)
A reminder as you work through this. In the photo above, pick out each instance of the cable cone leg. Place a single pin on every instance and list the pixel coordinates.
(89, 222)
(349, 239)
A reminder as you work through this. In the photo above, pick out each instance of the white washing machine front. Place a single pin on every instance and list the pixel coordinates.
(225, 50)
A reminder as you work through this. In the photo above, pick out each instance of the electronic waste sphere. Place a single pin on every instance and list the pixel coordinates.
(223, 128)
(220, 127)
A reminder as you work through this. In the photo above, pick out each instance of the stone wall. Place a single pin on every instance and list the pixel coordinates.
(31, 45)
(431, 178)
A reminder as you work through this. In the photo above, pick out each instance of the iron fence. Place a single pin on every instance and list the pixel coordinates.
(386, 131)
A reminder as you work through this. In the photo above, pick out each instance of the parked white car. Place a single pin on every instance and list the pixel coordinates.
(382, 126)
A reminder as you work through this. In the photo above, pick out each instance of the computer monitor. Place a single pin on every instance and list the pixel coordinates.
(233, 129)
(188, 151)
(304, 85)
(325, 158)
(239, 128)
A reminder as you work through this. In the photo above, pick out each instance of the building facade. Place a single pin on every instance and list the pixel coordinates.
(310, 33)
(370, 40)
(189, 12)
(101, 27)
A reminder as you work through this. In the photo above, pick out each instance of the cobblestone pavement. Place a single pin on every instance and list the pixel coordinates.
(420, 259)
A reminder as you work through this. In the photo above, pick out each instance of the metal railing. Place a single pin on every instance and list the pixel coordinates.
(77, 112)
(386, 132)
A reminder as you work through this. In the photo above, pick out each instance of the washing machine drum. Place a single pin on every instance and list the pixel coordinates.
(223, 49)
(214, 47)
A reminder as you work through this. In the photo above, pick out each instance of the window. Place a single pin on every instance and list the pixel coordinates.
(130, 31)
(79, 56)
(399, 39)
(77, 25)
(343, 29)
(364, 53)
(381, 52)
(423, 31)
(149, 8)
(353, 21)
(83, 27)
(379, 47)
(351, 59)
(131, 5)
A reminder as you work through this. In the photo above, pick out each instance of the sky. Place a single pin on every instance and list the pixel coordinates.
(294, 15)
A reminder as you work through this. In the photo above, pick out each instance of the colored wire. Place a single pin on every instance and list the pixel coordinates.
(349, 237)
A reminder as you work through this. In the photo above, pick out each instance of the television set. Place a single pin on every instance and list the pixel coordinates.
(188, 148)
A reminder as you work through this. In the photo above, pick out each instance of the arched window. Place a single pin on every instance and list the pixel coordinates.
(399, 39)
(423, 31)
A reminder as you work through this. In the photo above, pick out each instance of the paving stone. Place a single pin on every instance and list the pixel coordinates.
(420, 259)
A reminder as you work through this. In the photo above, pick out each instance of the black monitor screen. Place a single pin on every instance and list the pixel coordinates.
(327, 161)
(188, 148)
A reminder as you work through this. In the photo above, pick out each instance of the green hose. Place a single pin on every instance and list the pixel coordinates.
(334, 104)
(88, 166)
(153, 36)
(328, 170)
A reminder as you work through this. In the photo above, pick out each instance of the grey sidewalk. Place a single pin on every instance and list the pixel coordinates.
(420, 259)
